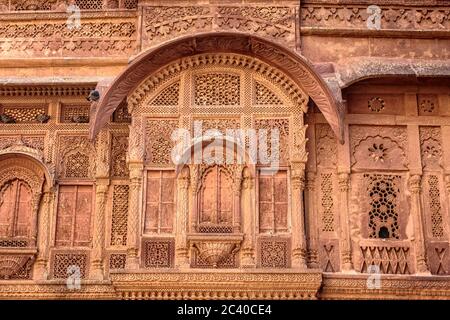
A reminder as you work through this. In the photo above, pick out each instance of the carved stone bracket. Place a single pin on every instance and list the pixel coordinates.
(215, 249)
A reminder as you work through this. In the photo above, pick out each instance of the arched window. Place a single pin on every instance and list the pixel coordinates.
(15, 210)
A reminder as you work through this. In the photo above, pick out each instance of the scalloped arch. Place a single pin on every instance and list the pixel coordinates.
(278, 57)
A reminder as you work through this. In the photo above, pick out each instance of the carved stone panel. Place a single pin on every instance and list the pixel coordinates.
(438, 257)
(167, 22)
(329, 255)
(273, 202)
(160, 206)
(158, 253)
(73, 223)
(378, 148)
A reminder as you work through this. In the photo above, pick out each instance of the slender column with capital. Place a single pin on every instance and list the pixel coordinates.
(99, 229)
(182, 250)
(346, 247)
(311, 215)
(44, 234)
(416, 211)
(248, 223)
(298, 226)
(133, 215)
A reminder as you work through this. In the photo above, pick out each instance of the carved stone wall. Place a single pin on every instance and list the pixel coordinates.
(361, 181)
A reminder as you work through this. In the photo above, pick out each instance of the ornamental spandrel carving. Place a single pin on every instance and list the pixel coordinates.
(76, 157)
(158, 139)
(430, 147)
(326, 146)
(378, 147)
(166, 22)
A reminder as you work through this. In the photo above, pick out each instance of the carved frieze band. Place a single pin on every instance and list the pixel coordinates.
(165, 22)
(356, 16)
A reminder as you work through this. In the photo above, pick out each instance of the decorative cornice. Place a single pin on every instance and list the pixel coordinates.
(45, 90)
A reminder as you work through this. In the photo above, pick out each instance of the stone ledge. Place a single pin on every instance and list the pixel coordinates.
(202, 284)
(341, 286)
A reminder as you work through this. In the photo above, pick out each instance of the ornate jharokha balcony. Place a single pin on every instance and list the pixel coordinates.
(313, 161)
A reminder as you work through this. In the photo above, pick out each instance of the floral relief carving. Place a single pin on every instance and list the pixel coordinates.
(370, 150)
(326, 146)
(54, 38)
(430, 146)
(119, 149)
(164, 22)
(356, 16)
(159, 143)
(77, 157)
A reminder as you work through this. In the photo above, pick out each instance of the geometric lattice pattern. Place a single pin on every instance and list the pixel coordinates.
(64, 262)
(11, 243)
(168, 96)
(24, 114)
(77, 165)
(117, 261)
(435, 207)
(217, 89)
(326, 189)
(89, 4)
(74, 113)
(119, 215)
(158, 253)
(383, 192)
(390, 260)
(265, 96)
(274, 253)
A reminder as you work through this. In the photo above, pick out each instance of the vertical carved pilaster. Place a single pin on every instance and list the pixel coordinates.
(34, 224)
(237, 198)
(312, 231)
(346, 249)
(298, 226)
(44, 234)
(248, 223)
(194, 171)
(182, 250)
(416, 210)
(133, 215)
(99, 229)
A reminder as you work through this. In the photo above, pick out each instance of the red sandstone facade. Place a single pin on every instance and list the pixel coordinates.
(89, 190)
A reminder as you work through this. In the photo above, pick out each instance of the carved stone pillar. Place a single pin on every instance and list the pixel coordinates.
(311, 218)
(298, 226)
(41, 271)
(248, 223)
(182, 249)
(346, 248)
(99, 229)
(447, 186)
(133, 215)
(36, 201)
(237, 199)
(416, 211)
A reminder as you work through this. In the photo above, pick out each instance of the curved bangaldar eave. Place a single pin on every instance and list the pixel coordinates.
(292, 64)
